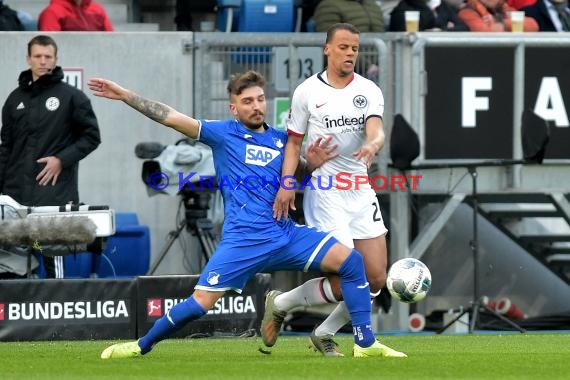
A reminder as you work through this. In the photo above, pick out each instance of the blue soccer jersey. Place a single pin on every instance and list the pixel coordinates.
(248, 170)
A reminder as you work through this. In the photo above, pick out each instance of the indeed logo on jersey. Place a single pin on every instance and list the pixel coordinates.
(343, 121)
(259, 155)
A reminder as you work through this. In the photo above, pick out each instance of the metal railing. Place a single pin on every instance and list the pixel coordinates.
(217, 56)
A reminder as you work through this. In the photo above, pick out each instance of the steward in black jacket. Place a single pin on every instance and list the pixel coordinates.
(43, 118)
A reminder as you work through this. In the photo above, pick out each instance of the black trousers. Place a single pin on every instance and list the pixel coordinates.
(53, 266)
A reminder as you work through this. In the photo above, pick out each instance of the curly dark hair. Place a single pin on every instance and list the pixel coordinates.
(241, 81)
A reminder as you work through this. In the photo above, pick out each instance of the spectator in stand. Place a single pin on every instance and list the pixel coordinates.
(9, 19)
(519, 4)
(183, 16)
(308, 21)
(435, 15)
(365, 15)
(550, 15)
(492, 16)
(30, 23)
(74, 16)
(447, 17)
(26, 19)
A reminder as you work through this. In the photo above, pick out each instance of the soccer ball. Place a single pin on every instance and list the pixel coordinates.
(409, 280)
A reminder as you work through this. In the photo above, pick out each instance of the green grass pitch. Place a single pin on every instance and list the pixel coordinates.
(475, 356)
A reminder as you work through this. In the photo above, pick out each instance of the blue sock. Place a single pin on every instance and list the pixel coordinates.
(356, 294)
(174, 320)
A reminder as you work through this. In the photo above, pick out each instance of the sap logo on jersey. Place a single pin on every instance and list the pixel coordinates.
(259, 155)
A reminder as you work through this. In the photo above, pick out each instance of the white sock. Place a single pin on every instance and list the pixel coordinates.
(316, 291)
(338, 318)
(334, 322)
(374, 295)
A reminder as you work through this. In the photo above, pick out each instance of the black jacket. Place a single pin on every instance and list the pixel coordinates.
(444, 13)
(539, 12)
(44, 118)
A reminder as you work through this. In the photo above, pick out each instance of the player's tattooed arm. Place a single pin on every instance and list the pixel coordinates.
(155, 110)
(164, 114)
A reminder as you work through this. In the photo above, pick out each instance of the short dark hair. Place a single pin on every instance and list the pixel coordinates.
(240, 81)
(340, 26)
(42, 40)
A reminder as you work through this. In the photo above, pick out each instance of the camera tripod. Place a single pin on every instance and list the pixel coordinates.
(195, 221)
(405, 147)
(477, 306)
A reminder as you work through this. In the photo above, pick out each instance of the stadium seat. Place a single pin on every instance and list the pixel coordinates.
(267, 16)
(259, 15)
(227, 16)
(298, 4)
(310, 25)
(264, 16)
(128, 251)
(79, 265)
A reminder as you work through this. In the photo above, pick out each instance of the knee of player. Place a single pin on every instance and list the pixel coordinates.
(207, 299)
(334, 282)
(376, 281)
(352, 265)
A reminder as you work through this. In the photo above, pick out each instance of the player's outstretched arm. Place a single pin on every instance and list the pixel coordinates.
(375, 139)
(319, 152)
(285, 197)
(316, 154)
(156, 111)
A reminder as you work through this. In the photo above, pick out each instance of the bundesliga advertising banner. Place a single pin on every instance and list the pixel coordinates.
(34, 310)
(233, 314)
(67, 309)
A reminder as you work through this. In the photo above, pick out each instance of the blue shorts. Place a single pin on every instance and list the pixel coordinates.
(236, 261)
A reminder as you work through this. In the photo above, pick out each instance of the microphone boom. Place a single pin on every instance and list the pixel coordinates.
(48, 230)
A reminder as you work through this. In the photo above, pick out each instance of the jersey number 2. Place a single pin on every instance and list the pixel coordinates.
(376, 216)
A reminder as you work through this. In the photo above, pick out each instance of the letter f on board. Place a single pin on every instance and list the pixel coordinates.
(471, 103)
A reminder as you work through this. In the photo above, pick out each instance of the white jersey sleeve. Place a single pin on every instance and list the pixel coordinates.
(377, 101)
(298, 120)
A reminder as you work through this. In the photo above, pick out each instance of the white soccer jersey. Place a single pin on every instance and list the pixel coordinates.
(320, 110)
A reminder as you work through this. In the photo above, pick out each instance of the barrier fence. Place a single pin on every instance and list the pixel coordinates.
(285, 59)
